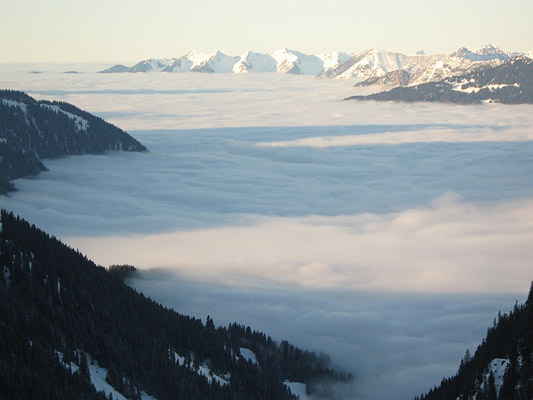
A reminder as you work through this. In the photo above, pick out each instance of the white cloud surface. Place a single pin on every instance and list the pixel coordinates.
(447, 247)
(385, 234)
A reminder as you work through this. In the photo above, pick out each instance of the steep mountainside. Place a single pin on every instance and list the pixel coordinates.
(502, 366)
(31, 130)
(510, 82)
(69, 329)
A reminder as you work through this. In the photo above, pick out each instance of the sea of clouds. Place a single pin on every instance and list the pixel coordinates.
(387, 235)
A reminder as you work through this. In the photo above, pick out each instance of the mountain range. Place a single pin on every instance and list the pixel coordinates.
(31, 130)
(282, 61)
(371, 66)
(507, 82)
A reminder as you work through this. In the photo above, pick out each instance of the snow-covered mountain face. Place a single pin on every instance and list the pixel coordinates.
(371, 67)
(485, 53)
(369, 63)
(280, 61)
(294, 62)
(384, 68)
(255, 62)
(217, 62)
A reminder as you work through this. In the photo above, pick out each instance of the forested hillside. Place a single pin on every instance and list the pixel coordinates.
(62, 318)
(501, 367)
(31, 130)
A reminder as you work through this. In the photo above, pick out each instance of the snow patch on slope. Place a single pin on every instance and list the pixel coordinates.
(249, 355)
(497, 368)
(98, 378)
(13, 103)
(298, 389)
(203, 370)
(458, 86)
(81, 124)
(22, 106)
(98, 375)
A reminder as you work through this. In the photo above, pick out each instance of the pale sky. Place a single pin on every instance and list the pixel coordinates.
(131, 30)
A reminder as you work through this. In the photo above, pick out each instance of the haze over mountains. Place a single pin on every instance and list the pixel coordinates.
(374, 65)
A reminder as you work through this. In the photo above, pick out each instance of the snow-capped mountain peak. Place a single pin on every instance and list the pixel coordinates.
(216, 62)
(295, 62)
(255, 62)
(372, 66)
(369, 63)
(485, 53)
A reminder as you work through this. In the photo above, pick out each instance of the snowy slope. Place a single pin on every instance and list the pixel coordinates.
(496, 368)
(98, 376)
(370, 63)
(248, 355)
(255, 62)
(294, 62)
(149, 65)
(330, 61)
(186, 63)
(298, 389)
(217, 62)
(419, 68)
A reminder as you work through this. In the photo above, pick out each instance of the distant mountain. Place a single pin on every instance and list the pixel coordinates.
(485, 53)
(502, 366)
(72, 330)
(32, 130)
(509, 82)
(369, 63)
(281, 61)
(376, 66)
(251, 62)
(294, 62)
(370, 67)
(216, 63)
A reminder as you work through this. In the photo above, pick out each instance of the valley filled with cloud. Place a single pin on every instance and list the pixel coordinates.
(385, 234)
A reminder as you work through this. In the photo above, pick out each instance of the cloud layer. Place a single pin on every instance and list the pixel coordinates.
(448, 246)
(396, 345)
(388, 235)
